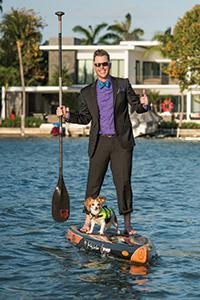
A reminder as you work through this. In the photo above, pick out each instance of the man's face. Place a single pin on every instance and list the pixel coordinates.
(102, 67)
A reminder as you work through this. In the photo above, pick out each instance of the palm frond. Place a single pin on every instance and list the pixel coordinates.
(98, 28)
(108, 39)
(128, 21)
(81, 30)
(90, 34)
(118, 27)
(123, 29)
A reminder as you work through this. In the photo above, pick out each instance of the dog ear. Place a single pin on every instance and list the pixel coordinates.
(88, 202)
(101, 199)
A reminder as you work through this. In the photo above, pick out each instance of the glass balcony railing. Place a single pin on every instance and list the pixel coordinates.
(158, 80)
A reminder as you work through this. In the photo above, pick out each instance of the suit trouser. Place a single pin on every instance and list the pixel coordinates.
(109, 150)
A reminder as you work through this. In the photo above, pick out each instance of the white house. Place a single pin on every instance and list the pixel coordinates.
(129, 59)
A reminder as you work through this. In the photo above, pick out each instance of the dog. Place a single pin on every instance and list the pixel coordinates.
(99, 214)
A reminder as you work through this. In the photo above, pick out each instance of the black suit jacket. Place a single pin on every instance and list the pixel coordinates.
(122, 95)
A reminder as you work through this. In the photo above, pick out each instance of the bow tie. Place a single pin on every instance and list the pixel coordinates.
(102, 84)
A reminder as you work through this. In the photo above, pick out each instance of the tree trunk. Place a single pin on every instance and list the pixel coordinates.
(23, 106)
(155, 110)
(181, 114)
(6, 101)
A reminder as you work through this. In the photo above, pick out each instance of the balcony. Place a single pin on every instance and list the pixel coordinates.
(158, 80)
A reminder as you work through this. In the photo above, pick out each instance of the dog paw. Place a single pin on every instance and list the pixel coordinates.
(89, 232)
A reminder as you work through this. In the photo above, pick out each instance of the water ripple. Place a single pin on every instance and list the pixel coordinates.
(37, 262)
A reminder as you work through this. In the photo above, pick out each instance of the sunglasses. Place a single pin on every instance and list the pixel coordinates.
(103, 64)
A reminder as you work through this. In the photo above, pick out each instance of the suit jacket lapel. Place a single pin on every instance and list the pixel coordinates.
(115, 87)
(94, 99)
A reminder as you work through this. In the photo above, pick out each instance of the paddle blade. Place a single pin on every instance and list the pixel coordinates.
(60, 202)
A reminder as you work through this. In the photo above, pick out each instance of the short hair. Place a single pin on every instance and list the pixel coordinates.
(101, 52)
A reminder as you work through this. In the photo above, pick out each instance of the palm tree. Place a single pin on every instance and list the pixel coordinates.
(163, 38)
(66, 78)
(1, 9)
(123, 31)
(153, 97)
(91, 36)
(20, 30)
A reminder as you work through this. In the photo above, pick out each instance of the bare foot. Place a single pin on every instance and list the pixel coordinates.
(130, 231)
(128, 228)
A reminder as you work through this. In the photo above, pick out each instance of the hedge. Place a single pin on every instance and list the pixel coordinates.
(29, 122)
(184, 125)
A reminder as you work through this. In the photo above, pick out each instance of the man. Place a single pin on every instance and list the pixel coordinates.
(105, 104)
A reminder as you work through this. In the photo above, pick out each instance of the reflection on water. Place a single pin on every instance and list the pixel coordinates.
(37, 262)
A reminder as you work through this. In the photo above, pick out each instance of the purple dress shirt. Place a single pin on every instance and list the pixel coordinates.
(106, 109)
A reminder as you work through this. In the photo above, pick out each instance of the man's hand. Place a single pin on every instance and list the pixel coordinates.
(62, 111)
(144, 98)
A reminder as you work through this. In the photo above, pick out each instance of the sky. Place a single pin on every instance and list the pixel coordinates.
(150, 15)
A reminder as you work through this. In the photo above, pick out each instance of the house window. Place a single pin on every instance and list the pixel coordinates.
(164, 75)
(117, 68)
(86, 72)
(195, 104)
(137, 71)
(155, 73)
(151, 70)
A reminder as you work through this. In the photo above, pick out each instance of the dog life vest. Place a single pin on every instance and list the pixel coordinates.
(105, 213)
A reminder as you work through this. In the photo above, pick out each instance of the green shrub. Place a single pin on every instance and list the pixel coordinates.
(174, 125)
(168, 124)
(29, 122)
(11, 123)
(190, 125)
(33, 122)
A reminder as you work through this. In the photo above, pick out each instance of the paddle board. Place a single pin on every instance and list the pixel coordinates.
(135, 249)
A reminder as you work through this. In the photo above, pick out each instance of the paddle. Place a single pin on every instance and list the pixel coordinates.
(60, 200)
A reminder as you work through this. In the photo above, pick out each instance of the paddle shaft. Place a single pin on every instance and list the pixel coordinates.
(60, 200)
(60, 14)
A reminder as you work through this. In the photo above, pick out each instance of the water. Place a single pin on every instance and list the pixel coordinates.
(37, 262)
